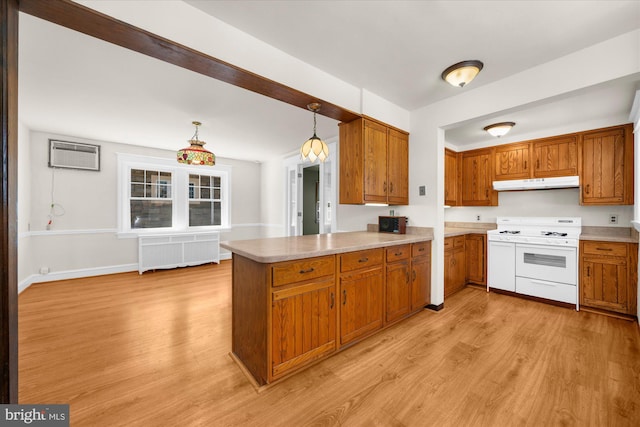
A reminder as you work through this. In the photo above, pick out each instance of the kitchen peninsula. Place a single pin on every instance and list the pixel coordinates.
(296, 300)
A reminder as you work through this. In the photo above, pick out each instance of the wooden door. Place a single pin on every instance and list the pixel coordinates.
(398, 168)
(477, 178)
(476, 255)
(360, 304)
(604, 283)
(303, 325)
(398, 291)
(450, 178)
(556, 156)
(420, 282)
(512, 161)
(604, 160)
(375, 162)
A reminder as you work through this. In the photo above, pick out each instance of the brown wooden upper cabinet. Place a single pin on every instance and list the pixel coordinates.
(607, 166)
(451, 178)
(374, 163)
(512, 161)
(603, 158)
(477, 178)
(557, 156)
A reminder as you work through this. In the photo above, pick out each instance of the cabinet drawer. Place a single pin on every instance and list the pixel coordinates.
(605, 248)
(361, 259)
(453, 242)
(297, 271)
(397, 253)
(420, 249)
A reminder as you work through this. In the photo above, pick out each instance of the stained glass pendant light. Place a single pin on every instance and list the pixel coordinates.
(195, 154)
(314, 148)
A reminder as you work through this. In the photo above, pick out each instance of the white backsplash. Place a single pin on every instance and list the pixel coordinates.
(559, 202)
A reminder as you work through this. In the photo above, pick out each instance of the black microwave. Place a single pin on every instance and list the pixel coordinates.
(392, 224)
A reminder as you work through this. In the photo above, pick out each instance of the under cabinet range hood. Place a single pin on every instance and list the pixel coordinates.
(537, 183)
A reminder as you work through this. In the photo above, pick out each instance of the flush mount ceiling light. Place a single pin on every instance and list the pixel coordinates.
(195, 154)
(462, 73)
(499, 129)
(314, 148)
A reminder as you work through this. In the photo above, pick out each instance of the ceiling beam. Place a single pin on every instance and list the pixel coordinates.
(93, 23)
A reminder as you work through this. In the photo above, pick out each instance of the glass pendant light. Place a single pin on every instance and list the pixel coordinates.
(195, 154)
(314, 148)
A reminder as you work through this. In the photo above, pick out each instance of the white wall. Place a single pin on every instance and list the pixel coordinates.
(560, 202)
(24, 202)
(83, 241)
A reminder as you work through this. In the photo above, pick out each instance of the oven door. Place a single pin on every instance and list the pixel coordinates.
(550, 263)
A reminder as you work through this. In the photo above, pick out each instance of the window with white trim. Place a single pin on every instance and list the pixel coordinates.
(160, 196)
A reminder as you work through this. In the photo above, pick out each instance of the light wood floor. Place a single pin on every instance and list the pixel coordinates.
(152, 350)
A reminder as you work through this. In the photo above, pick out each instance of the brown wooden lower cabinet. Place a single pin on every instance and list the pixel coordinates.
(475, 248)
(608, 277)
(287, 315)
(454, 265)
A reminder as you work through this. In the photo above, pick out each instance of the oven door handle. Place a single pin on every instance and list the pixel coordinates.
(541, 248)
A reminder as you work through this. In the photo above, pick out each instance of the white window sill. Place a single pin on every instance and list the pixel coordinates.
(135, 234)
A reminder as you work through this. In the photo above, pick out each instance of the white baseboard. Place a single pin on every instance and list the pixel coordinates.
(75, 274)
(225, 255)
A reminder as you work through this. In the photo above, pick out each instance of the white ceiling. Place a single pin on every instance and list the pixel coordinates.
(79, 86)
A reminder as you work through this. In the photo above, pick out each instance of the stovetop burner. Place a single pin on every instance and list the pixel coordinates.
(553, 234)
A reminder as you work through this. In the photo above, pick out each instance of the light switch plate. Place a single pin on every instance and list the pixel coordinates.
(422, 190)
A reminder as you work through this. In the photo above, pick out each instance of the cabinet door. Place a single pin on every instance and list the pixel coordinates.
(450, 178)
(454, 273)
(604, 163)
(303, 325)
(398, 291)
(398, 168)
(360, 304)
(375, 162)
(604, 283)
(476, 255)
(477, 178)
(556, 157)
(512, 162)
(420, 282)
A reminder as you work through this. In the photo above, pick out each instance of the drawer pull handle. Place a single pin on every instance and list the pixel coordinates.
(333, 300)
(421, 250)
(344, 296)
(604, 249)
(588, 271)
(307, 271)
(363, 260)
(397, 254)
(525, 165)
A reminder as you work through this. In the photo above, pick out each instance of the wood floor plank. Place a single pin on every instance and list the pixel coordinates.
(153, 350)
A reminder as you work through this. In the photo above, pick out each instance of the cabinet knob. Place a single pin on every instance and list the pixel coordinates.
(525, 165)
(588, 271)
(391, 187)
(414, 276)
(384, 186)
(587, 189)
(333, 300)
(344, 296)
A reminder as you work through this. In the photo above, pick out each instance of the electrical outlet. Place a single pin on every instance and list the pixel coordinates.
(477, 217)
(422, 190)
(613, 219)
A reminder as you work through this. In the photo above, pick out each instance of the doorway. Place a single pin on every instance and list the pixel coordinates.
(311, 195)
(311, 200)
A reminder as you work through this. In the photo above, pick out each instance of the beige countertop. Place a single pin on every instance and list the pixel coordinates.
(278, 249)
(609, 234)
(461, 228)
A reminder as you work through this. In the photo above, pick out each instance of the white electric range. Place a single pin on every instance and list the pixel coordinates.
(536, 256)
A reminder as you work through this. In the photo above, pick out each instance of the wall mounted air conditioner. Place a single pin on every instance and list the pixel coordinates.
(74, 155)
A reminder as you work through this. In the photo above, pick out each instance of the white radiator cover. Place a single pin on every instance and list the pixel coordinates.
(177, 250)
